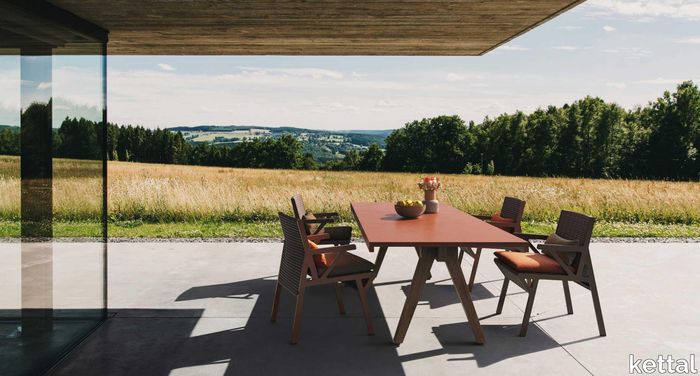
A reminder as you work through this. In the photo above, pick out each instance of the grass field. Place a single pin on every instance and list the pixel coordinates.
(188, 201)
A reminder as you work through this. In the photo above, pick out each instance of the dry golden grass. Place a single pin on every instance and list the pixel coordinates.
(77, 189)
(172, 192)
(153, 192)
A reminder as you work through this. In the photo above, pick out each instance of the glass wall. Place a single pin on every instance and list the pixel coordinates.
(52, 195)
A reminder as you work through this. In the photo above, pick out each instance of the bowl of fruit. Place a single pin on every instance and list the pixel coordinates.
(409, 208)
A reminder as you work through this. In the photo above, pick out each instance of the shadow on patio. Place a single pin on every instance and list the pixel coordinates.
(186, 341)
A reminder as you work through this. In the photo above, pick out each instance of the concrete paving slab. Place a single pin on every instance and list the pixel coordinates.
(203, 309)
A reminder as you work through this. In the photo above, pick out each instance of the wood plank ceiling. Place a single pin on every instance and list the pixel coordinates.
(323, 27)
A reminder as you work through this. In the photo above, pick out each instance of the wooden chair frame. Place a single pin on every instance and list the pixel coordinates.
(298, 271)
(511, 208)
(571, 225)
(322, 219)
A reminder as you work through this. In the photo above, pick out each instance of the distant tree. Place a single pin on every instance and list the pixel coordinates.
(9, 142)
(351, 160)
(78, 139)
(674, 121)
(438, 144)
(472, 169)
(371, 159)
(490, 168)
(308, 162)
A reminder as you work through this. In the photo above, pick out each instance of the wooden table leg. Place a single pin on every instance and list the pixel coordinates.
(378, 261)
(430, 275)
(450, 258)
(425, 262)
(475, 265)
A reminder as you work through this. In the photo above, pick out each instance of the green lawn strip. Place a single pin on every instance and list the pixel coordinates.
(258, 229)
(626, 230)
(271, 229)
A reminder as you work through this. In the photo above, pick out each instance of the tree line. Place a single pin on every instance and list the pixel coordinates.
(587, 138)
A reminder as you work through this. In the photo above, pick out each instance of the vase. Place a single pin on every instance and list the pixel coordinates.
(431, 202)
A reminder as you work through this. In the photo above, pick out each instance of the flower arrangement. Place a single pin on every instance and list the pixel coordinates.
(429, 183)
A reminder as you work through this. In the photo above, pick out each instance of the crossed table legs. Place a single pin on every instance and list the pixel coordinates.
(427, 255)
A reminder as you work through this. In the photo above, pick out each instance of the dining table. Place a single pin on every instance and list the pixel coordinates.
(435, 237)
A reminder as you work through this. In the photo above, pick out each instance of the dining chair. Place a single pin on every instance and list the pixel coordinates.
(507, 219)
(304, 264)
(315, 223)
(565, 257)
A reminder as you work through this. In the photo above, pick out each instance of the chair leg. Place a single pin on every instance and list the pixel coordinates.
(339, 297)
(276, 302)
(296, 325)
(361, 291)
(567, 296)
(528, 307)
(502, 298)
(598, 310)
(472, 276)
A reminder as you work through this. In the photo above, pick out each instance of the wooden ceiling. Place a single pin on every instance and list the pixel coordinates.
(307, 27)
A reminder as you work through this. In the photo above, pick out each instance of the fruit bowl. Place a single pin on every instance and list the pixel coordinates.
(409, 208)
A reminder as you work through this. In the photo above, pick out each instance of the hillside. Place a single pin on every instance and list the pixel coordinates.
(324, 145)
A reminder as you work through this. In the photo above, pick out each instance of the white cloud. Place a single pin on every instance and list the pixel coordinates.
(629, 52)
(569, 27)
(388, 104)
(463, 77)
(609, 28)
(565, 48)
(690, 40)
(43, 85)
(509, 47)
(315, 73)
(334, 107)
(646, 9)
(616, 85)
(160, 99)
(661, 81)
(166, 67)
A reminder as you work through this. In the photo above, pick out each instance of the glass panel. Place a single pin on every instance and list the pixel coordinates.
(10, 247)
(52, 197)
(78, 105)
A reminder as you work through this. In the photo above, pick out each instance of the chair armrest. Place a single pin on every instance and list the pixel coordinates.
(530, 237)
(319, 220)
(525, 236)
(336, 249)
(561, 248)
(327, 215)
(501, 224)
(482, 217)
(317, 237)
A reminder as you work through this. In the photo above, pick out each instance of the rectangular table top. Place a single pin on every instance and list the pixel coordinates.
(382, 227)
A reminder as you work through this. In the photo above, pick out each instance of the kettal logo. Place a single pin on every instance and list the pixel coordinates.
(663, 364)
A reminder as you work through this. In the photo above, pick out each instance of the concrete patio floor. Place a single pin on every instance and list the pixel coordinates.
(203, 309)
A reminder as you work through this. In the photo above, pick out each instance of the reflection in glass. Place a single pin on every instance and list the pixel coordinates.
(52, 196)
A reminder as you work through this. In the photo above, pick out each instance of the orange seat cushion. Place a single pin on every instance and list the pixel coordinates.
(530, 262)
(324, 259)
(497, 218)
(346, 264)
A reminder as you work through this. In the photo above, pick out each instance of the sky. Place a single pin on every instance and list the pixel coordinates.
(624, 51)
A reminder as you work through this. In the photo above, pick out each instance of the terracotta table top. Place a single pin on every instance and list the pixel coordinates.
(382, 227)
